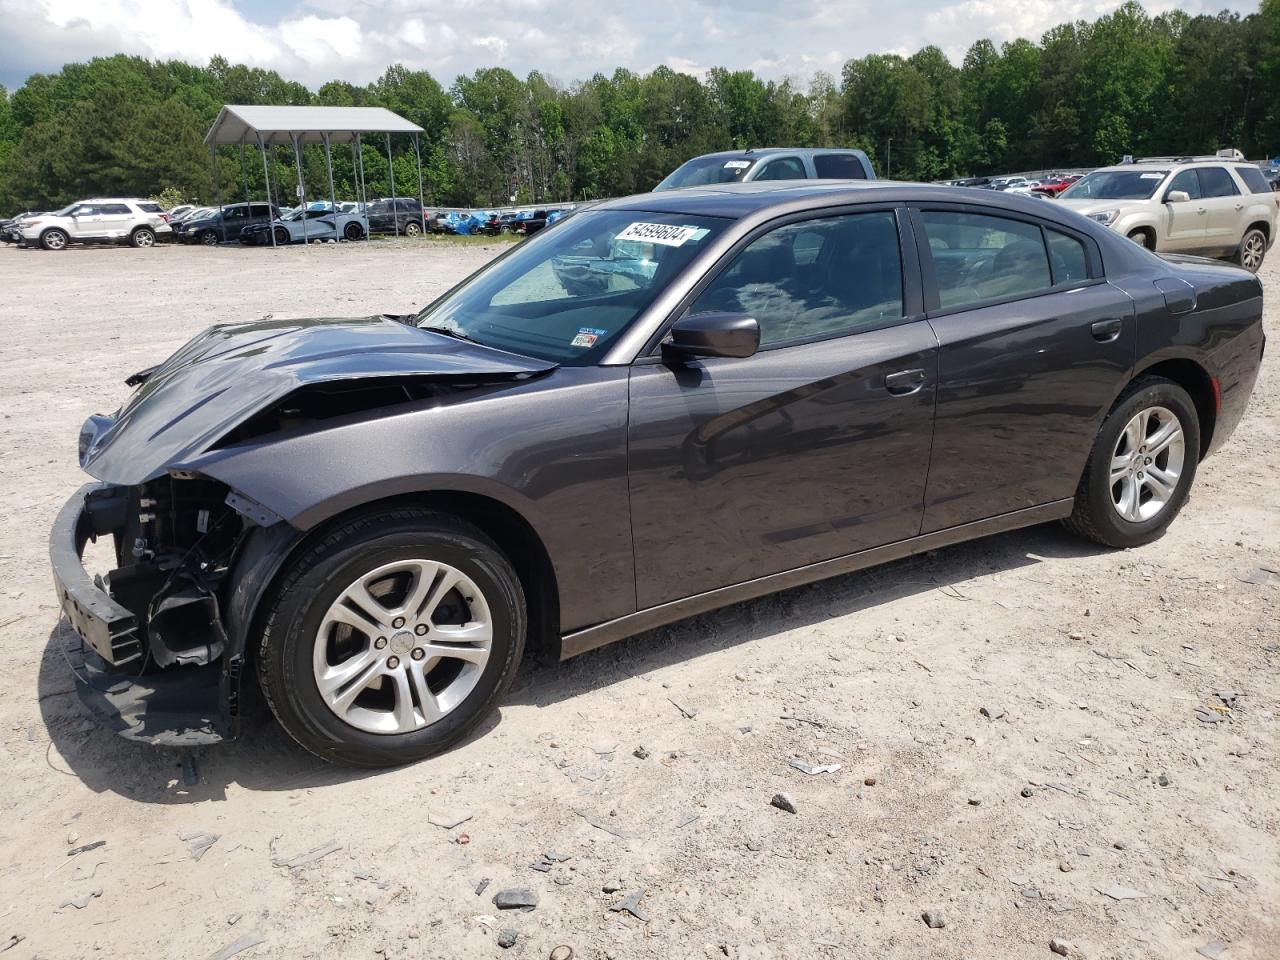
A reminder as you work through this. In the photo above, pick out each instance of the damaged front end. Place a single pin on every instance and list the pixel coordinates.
(161, 636)
(152, 657)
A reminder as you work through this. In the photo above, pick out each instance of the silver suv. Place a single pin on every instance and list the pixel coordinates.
(770, 163)
(138, 223)
(1205, 205)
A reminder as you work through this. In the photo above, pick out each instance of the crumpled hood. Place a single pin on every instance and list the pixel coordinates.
(233, 371)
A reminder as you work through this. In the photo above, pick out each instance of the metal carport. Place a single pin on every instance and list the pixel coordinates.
(271, 125)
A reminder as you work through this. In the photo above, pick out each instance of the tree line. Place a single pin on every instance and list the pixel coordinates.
(1085, 94)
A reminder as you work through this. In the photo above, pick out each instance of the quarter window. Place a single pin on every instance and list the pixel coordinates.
(815, 279)
(1216, 182)
(1067, 257)
(978, 257)
(784, 168)
(1253, 179)
(839, 166)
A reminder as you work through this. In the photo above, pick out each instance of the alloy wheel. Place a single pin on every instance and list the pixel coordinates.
(209, 238)
(144, 238)
(402, 646)
(55, 240)
(1252, 251)
(411, 229)
(1146, 464)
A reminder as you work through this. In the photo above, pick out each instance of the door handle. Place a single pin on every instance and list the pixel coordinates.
(1201, 211)
(1105, 331)
(1239, 206)
(904, 382)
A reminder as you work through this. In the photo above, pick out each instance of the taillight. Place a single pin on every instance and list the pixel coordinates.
(164, 217)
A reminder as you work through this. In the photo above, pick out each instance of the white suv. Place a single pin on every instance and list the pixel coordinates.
(104, 220)
(1205, 205)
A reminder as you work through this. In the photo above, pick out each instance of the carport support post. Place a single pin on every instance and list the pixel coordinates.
(395, 210)
(302, 190)
(217, 185)
(266, 180)
(364, 193)
(333, 197)
(422, 211)
(244, 174)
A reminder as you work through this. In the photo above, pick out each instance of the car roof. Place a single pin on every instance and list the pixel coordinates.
(1168, 163)
(773, 151)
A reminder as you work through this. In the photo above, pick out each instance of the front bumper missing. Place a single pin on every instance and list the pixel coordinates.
(183, 706)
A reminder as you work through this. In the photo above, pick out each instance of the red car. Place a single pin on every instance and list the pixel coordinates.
(1055, 185)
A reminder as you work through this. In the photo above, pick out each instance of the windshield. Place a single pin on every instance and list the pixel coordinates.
(568, 292)
(1116, 185)
(701, 171)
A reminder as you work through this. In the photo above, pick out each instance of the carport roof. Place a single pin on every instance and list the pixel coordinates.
(244, 124)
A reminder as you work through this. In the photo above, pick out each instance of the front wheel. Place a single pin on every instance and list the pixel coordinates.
(1253, 247)
(1143, 239)
(54, 239)
(208, 238)
(352, 231)
(392, 638)
(1141, 468)
(282, 236)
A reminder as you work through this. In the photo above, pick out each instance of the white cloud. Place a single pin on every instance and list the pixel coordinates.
(318, 40)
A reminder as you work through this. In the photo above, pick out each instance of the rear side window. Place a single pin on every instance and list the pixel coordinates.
(1189, 182)
(1216, 182)
(259, 210)
(115, 209)
(784, 168)
(150, 207)
(978, 257)
(1067, 258)
(814, 280)
(1253, 179)
(839, 166)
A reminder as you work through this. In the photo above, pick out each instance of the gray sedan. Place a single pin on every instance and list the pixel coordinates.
(659, 406)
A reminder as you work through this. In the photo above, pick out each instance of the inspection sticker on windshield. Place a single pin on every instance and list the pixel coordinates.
(666, 234)
(1151, 176)
(737, 164)
(587, 337)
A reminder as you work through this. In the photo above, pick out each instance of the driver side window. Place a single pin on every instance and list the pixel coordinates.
(1187, 180)
(815, 279)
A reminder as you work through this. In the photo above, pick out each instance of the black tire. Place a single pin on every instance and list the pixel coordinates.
(208, 238)
(142, 237)
(1095, 515)
(1143, 238)
(54, 239)
(318, 577)
(282, 236)
(1252, 250)
(353, 231)
(412, 228)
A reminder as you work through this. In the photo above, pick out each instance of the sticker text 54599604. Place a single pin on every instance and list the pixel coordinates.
(669, 235)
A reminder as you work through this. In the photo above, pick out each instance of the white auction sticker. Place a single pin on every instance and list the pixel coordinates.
(669, 235)
(1151, 176)
(737, 164)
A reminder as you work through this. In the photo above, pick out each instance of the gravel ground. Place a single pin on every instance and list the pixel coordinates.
(1097, 776)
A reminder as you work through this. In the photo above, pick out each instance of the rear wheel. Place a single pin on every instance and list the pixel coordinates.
(1253, 248)
(143, 237)
(54, 239)
(392, 638)
(412, 228)
(1141, 468)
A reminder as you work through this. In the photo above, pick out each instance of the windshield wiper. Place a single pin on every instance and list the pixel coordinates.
(449, 332)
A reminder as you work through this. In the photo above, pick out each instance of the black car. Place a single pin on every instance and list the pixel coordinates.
(225, 223)
(396, 215)
(782, 383)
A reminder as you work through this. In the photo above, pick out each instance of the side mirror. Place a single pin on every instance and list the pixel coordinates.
(712, 335)
(1177, 196)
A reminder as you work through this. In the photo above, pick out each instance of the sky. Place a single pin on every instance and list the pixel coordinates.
(318, 40)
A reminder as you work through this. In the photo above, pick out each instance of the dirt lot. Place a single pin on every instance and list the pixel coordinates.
(1098, 775)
